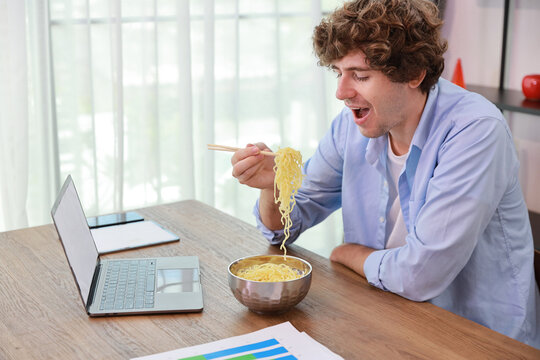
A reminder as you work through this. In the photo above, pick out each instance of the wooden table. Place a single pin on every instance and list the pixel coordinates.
(41, 313)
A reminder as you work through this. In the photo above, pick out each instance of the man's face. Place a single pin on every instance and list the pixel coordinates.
(378, 104)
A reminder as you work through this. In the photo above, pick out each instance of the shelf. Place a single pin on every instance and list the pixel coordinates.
(511, 100)
(535, 227)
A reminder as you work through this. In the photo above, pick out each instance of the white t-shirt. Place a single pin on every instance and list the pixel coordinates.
(396, 231)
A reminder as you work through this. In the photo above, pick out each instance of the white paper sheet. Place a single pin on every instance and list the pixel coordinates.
(281, 341)
(130, 235)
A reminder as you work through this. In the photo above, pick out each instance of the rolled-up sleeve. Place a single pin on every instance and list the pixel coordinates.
(372, 266)
(275, 237)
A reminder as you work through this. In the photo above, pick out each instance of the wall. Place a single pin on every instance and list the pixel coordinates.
(473, 29)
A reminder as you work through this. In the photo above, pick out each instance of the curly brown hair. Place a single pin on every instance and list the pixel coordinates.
(401, 38)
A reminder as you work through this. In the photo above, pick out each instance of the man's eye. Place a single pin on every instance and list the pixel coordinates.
(360, 78)
(338, 75)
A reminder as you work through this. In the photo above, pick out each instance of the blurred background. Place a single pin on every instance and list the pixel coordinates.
(124, 95)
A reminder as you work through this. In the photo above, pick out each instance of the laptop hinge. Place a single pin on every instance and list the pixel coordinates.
(93, 287)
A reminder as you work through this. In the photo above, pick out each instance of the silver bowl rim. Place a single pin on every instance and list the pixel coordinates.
(308, 273)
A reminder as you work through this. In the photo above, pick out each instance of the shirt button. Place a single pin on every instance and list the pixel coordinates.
(385, 183)
(381, 219)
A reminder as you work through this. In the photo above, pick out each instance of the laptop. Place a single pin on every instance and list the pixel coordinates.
(122, 286)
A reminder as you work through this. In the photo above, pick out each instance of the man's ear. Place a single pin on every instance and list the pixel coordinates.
(414, 83)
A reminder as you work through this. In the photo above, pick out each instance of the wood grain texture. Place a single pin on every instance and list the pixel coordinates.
(42, 316)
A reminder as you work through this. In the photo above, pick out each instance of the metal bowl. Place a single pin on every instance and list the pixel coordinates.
(270, 297)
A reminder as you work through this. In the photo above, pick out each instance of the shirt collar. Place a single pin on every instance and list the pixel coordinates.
(375, 148)
(424, 126)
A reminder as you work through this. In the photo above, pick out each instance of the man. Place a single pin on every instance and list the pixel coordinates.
(426, 173)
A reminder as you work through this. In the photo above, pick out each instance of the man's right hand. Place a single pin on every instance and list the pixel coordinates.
(252, 168)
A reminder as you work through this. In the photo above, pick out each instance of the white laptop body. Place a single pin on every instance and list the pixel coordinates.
(152, 285)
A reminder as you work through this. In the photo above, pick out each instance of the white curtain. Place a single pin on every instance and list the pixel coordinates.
(124, 95)
(14, 115)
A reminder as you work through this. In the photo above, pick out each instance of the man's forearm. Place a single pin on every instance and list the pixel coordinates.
(352, 255)
(269, 210)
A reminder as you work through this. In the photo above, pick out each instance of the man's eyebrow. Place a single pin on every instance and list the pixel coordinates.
(351, 68)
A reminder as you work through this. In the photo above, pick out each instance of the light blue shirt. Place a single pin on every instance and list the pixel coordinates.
(469, 247)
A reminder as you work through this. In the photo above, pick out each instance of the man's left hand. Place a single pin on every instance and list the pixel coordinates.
(352, 255)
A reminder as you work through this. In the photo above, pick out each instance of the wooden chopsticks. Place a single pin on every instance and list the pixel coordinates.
(233, 149)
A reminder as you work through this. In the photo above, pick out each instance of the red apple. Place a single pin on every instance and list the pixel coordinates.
(531, 86)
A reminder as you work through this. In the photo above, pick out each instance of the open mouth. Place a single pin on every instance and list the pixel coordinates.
(360, 114)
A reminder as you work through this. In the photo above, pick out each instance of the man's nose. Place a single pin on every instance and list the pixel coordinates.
(344, 89)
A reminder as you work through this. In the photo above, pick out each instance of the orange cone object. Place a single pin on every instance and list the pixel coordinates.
(457, 77)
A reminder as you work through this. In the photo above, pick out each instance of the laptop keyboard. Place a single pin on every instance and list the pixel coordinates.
(129, 284)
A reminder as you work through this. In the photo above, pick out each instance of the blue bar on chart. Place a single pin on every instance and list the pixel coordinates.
(245, 348)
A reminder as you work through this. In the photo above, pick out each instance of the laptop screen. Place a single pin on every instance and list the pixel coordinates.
(73, 230)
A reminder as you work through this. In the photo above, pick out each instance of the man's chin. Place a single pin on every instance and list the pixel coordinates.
(371, 133)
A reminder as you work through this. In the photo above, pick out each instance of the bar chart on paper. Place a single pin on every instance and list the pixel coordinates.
(266, 349)
(279, 342)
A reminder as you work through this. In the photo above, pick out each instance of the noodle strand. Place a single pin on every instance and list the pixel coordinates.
(287, 181)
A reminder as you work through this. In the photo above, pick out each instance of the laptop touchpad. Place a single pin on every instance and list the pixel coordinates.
(177, 280)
